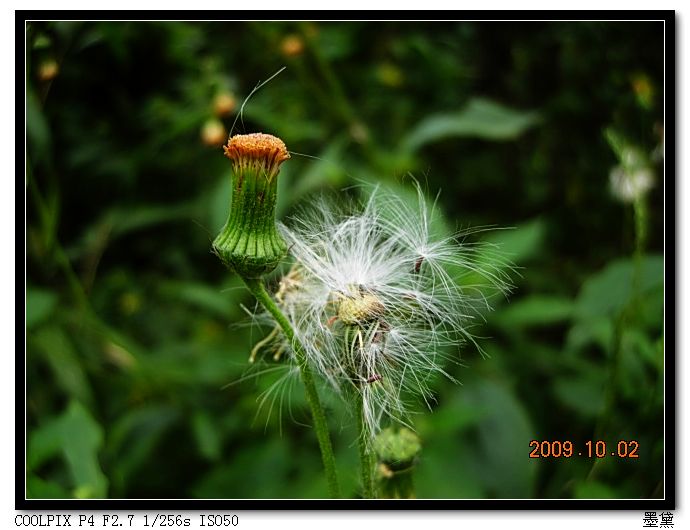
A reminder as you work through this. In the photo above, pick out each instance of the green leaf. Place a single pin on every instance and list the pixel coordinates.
(40, 304)
(326, 170)
(37, 488)
(202, 296)
(616, 141)
(610, 290)
(520, 244)
(439, 476)
(143, 216)
(503, 441)
(82, 437)
(598, 331)
(536, 310)
(481, 118)
(582, 392)
(637, 353)
(133, 438)
(595, 490)
(257, 471)
(77, 438)
(456, 416)
(43, 444)
(119, 221)
(53, 345)
(631, 158)
(495, 261)
(37, 129)
(42, 42)
(207, 435)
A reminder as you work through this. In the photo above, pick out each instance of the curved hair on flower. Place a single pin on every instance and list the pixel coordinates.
(374, 297)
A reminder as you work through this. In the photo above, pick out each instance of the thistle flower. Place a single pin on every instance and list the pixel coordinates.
(249, 242)
(629, 186)
(633, 177)
(373, 299)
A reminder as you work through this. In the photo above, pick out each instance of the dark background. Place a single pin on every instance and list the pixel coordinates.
(137, 341)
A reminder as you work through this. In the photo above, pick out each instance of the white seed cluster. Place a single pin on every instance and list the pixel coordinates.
(379, 301)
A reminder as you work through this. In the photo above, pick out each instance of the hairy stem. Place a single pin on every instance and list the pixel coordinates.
(320, 426)
(365, 463)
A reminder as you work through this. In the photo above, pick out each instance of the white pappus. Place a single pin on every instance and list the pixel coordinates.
(375, 295)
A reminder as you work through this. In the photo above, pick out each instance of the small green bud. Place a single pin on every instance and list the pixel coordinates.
(249, 243)
(397, 449)
(397, 452)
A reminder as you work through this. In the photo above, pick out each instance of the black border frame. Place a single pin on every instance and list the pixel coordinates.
(178, 505)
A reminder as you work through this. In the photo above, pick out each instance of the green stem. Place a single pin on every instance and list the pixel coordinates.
(364, 454)
(320, 425)
(608, 412)
(339, 101)
(641, 219)
(628, 312)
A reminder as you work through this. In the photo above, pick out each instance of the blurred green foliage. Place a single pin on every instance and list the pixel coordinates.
(137, 339)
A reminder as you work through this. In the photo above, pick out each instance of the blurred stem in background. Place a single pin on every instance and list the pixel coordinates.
(641, 221)
(332, 95)
(631, 180)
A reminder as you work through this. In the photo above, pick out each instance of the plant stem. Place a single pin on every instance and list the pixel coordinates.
(364, 455)
(641, 221)
(626, 314)
(320, 425)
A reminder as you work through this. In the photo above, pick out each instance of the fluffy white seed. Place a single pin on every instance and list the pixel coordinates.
(375, 296)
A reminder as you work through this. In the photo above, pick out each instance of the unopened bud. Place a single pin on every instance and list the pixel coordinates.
(397, 452)
(292, 46)
(213, 133)
(249, 243)
(48, 70)
(223, 104)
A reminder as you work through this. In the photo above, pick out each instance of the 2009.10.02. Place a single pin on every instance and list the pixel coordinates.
(593, 449)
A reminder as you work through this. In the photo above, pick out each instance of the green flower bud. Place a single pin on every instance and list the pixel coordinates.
(249, 243)
(397, 453)
(397, 449)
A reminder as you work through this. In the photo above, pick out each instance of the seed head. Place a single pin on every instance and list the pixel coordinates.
(378, 304)
(359, 308)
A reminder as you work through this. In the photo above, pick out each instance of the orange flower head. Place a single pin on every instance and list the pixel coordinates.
(257, 147)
